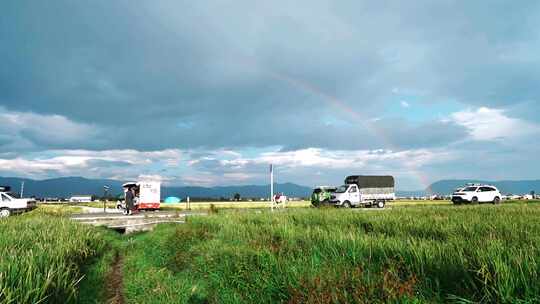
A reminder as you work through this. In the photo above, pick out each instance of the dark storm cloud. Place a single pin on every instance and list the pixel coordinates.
(163, 74)
(5, 139)
(431, 134)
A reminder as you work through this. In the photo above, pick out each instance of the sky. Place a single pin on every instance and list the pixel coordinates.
(211, 92)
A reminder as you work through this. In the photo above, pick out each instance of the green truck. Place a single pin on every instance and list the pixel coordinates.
(322, 195)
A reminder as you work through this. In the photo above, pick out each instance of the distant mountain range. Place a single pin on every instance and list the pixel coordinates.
(289, 189)
(68, 186)
(417, 193)
(61, 187)
(65, 187)
(506, 187)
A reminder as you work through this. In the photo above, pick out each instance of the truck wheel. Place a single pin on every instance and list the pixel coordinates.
(380, 204)
(474, 200)
(5, 212)
(497, 200)
(346, 204)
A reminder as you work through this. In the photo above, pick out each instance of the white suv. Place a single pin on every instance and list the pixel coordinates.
(477, 194)
(9, 204)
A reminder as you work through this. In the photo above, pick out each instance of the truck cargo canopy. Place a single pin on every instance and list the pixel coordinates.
(371, 181)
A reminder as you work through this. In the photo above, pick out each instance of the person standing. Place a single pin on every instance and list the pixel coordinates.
(130, 196)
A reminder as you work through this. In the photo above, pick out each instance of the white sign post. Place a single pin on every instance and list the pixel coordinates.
(272, 187)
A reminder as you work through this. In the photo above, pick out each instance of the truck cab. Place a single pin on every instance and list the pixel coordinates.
(347, 196)
(10, 203)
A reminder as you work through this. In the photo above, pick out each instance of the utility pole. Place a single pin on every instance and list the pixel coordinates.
(22, 189)
(105, 190)
(272, 187)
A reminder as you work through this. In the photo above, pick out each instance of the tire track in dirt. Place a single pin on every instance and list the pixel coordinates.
(114, 292)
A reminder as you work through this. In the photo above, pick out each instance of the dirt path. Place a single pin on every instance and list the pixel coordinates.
(115, 285)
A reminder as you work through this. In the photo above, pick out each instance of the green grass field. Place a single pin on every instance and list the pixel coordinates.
(433, 254)
(421, 253)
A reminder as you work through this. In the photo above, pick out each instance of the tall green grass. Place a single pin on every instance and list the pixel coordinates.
(485, 254)
(41, 256)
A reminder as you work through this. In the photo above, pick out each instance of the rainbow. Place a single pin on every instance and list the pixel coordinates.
(336, 102)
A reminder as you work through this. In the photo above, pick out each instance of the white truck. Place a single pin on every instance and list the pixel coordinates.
(365, 190)
(10, 203)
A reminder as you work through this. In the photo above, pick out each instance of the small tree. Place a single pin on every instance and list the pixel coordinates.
(237, 197)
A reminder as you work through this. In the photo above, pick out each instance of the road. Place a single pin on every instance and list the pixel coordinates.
(143, 221)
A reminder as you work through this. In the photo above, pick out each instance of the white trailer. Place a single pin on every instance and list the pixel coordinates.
(147, 195)
(364, 190)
